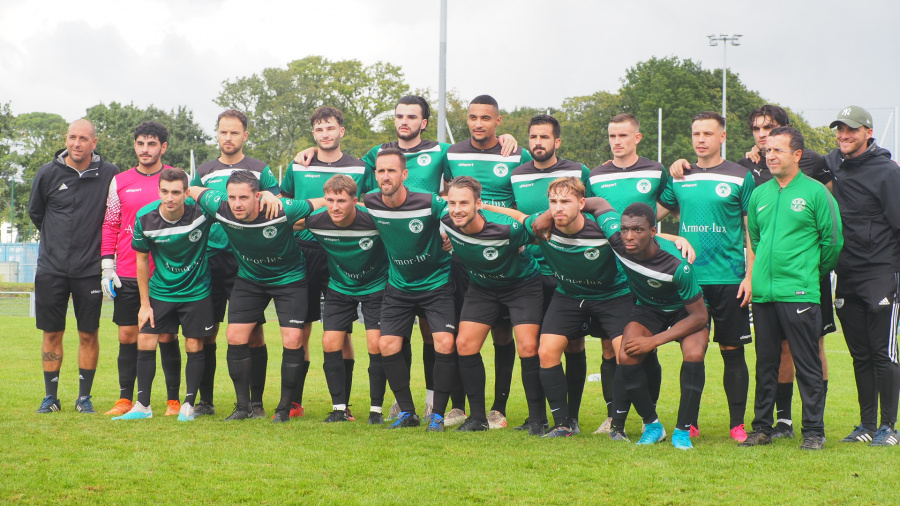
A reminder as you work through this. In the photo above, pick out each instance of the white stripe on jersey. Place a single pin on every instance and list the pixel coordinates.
(243, 224)
(484, 157)
(650, 174)
(892, 338)
(646, 271)
(555, 174)
(578, 242)
(474, 240)
(343, 233)
(227, 172)
(400, 215)
(711, 176)
(165, 232)
(331, 170)
(435, 148)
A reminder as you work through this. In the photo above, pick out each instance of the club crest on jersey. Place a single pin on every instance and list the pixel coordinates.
(270, 232)
(501, 169)
(591, 253)
(838, 303)
(644, 186)
(416, 226)
(195, 235)
(423, 159)
(723, 189)
(654, 283)
(798, 205)
(365, 243)
(490, 253)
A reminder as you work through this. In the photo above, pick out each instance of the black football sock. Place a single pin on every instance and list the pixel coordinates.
(259, 360)
(127, 362)
(784, 395)
(607, 377)
(693, 378)
(170, 359)
(736, 379)
(51, 382)
(654, 374)
(621, 402)
(534, 392)
(553, 379)
(335, 376)
(193, 373)
(457, 392)
(349, 364)
(209, 373)
(397, 374)
(301, 383)
(576, 374)
(635, 382)
(377, 380)
(445, 368)
(428, 364)
(86, 381)
(146, 371)
(504, 363)
(471, 372)
(406, 350)
(292, 365)
(239, 368)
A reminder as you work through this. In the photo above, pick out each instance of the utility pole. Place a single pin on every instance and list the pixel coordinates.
(442, 78)
(714, 40)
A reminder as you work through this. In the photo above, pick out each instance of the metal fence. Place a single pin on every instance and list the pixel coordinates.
(18, 261)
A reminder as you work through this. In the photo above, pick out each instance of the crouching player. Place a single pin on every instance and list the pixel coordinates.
(179, 291)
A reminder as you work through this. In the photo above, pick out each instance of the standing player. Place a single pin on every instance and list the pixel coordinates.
(231, 129)
(68, 195)
(713, 198)
(178, 293)
(130, 191)
(270, 266)
(502, 278)
(303, 182)
(626, 179)
(418, 280)
(358, 264)
(866, 185)
(794, 223)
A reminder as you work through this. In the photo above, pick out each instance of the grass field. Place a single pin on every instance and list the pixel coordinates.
(70, 457)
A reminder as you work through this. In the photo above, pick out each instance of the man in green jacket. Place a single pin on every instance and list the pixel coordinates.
(795, 231)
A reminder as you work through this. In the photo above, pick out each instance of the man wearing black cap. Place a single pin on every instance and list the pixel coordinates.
(866, 185)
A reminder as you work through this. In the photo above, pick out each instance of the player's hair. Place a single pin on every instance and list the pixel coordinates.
(626, 117)
(569, 184)
(341, 183)
(486, 100)
(325, 113)
(152, 129)
(709, 115)
(797, 141)
(171, 174)
(416, 100)
(243, 177)
(777, 114)
(640, 209)
(546, 119)
(233, 113)
(466, 182)
(392, 152)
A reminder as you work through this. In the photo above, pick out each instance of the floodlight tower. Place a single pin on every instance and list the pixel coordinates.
(734, 40)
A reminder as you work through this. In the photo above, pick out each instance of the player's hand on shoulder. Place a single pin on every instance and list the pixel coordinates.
(305, 157)
(753, 155)
(541, 226)
(270, 204)
(687, 251)
(676, 170)
(508, 144)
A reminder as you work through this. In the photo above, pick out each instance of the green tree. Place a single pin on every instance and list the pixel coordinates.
(584, 123)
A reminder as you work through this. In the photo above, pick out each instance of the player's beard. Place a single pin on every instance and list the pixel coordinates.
(548, 154)
(410, 136)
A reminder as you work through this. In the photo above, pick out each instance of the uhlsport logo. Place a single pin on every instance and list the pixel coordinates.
(654, 283)
(365, 243)
(415, 226)
(501, 169)
(687, 269)
(798, 205)
(723, 189)
(490, 253)
(195, 235)
(270, 232)
(424, 159)
(591, 253)
(644, 186)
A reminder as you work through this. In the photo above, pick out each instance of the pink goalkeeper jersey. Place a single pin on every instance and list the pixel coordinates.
(129, 191)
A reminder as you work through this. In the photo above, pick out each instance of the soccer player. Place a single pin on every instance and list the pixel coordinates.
(502, 279)
(130, 191)
(626, 179)
(866, 186)
(358, 265)
(418, 281)
(795, 225)
(68, 195)
(178, 293)
(231, 131)
(303, 181)
(713, 198)
(270, 266)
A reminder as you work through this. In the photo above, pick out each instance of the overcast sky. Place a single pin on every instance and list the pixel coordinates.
(814, 56)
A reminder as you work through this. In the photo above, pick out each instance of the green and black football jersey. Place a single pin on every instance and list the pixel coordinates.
(426, 163)
(300, 182)
(214, 175)
(178, 250)
(489, 167)
(584, 263)
(529, 185)
(492, 256)
(412, 237)
(357, 260)
(713, 203)
(642, 182)
(265, 249)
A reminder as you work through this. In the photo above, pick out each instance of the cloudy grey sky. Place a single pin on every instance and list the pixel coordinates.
(815, 56)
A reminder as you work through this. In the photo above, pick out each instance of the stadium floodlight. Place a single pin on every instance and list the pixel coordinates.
(734, 40)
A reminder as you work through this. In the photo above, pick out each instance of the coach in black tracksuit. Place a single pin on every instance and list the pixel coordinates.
(867, 189)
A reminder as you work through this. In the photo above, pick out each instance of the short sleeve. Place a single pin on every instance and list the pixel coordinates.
(296, 209)
(138, 241)
(688, 288)
(268, 182)
(287, 182)
(210, 200)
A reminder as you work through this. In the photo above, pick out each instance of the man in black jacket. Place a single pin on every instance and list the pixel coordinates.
(68, 202)
(866, 185)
